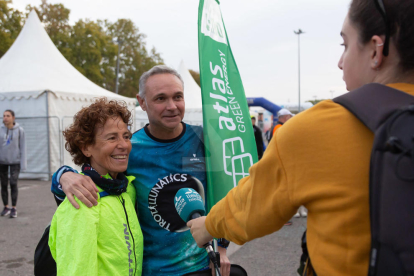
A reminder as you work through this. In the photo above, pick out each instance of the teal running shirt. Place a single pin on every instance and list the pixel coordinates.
(161, 168)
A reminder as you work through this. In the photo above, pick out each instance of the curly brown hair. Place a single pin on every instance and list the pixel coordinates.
(86, 122)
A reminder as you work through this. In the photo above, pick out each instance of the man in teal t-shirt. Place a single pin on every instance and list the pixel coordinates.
(166, 155)
(162, 167)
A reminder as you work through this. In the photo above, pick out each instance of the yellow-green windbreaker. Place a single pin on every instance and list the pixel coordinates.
(98, 240)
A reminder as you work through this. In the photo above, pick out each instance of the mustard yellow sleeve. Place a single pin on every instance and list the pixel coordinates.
(258, 206)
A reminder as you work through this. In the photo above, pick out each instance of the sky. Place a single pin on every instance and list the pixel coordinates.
(260, 33)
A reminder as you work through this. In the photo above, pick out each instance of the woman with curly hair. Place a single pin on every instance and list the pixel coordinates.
(106, 239)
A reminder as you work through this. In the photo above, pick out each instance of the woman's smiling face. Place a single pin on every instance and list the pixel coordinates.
(110, 152)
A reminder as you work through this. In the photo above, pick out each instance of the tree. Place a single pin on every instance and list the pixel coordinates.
(196, 76)
(10, 25)
(93, 52)
(134, 57)
(88, 45)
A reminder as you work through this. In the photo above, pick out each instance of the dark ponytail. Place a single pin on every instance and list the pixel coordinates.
(365, 16)
(11, 112)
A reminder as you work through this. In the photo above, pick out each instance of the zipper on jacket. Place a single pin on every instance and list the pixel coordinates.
(130, 232)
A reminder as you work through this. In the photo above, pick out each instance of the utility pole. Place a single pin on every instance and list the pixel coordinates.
(43, 8)
(117, 64)
(299, 32)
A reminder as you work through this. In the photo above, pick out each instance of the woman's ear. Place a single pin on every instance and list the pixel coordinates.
(377, 48)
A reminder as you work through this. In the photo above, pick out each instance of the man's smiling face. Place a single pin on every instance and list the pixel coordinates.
(164, 101)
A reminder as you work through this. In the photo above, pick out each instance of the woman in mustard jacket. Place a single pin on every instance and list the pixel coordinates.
(321, 157)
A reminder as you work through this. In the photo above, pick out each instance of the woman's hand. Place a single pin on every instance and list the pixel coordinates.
(81, 186)
(199, 231)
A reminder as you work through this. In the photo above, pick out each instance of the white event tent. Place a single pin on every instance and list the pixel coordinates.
(45, 91)
(193, 104)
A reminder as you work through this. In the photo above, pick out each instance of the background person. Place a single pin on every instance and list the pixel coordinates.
(269, 133)
(13, 156)
(282, 117)
(107, 239)
(166, 155)
(258, 138)
(321, 157)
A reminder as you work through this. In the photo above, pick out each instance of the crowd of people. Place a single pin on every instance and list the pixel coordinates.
(117, 216)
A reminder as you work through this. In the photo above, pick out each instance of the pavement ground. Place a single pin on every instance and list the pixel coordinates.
(275, 254)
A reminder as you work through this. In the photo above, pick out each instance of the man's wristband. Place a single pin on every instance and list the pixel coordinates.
(223, 243)
(62, 170)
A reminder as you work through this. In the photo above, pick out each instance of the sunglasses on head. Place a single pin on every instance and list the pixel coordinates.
(381, 8)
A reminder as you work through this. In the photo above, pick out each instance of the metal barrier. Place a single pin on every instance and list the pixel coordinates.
(43, 146)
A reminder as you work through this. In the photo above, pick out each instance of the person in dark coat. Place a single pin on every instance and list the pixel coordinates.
(258, 137)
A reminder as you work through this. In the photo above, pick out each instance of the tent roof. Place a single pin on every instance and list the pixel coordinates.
(33, 63)
(192, 92)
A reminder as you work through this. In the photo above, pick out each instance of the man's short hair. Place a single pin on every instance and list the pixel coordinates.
(156, 70)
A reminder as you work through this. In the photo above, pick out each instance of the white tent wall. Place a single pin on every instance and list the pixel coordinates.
(24, 104)
(141, 118)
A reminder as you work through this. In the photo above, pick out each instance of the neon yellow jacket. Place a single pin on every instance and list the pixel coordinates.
(98, 240)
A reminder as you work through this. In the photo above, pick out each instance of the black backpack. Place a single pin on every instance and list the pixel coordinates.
(389, 113)
(44, 264)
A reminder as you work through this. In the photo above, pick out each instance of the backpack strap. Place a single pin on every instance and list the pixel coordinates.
(373, 103)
